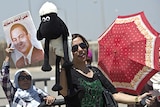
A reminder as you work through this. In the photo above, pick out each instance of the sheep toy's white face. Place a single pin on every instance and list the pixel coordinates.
(47, 8)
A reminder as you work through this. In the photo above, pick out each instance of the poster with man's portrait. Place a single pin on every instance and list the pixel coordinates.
(20, 32)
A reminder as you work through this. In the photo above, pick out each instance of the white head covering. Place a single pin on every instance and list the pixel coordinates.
(16, 75)
(47, 7)
(30, 94)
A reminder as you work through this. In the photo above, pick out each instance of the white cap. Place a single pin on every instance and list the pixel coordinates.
(16, 75)
(47, 8)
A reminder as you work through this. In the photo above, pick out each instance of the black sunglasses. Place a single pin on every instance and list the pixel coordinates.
(28, 77)
(75, 47)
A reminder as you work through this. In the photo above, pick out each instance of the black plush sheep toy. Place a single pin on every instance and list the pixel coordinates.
(56, 35)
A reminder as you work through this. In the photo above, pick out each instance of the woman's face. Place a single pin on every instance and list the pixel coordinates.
(79, 50)
(24, 80)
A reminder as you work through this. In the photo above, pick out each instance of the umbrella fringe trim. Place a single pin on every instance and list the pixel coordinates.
(135, 80)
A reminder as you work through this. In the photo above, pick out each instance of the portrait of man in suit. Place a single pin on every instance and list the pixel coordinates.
(21, 40)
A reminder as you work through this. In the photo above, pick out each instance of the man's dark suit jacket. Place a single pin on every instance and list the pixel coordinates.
(37, 55)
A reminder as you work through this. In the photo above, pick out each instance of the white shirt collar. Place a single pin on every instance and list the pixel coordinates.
(29, 56)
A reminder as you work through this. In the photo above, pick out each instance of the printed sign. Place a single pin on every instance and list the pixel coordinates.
(20, 32)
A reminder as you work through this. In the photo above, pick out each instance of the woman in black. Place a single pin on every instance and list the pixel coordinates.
(87, 88)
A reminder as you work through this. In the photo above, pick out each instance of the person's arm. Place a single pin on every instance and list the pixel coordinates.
(122, 97)
(63, 83)
(6, 84)
(130, 99)
(46, 97)
(49, 99)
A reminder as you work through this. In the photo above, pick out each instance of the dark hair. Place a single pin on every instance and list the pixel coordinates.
(75, 35)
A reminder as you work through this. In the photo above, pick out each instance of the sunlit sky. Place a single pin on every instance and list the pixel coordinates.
(87, 17)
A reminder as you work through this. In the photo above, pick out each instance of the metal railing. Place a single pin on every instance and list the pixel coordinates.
(58, 102)
(44, 80)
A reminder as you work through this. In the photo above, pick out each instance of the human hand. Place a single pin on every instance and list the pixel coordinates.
(9, 50)
(147, 99)
(49, 99)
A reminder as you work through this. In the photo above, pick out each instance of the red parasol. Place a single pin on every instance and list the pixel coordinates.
(128, 52)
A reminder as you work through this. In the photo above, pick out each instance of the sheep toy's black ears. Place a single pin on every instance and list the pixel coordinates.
(39, 35)
(46, 66)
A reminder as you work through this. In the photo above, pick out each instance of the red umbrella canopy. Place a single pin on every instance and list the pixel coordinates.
(128, 52)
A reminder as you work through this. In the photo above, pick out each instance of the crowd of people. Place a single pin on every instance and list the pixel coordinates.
(86, 88)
